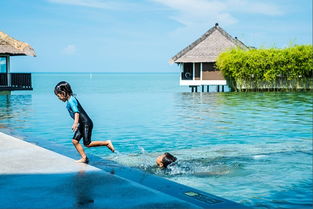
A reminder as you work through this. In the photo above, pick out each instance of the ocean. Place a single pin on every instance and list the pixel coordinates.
(254, 148)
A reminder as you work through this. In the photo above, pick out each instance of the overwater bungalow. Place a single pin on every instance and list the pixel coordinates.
(11, 47)
(197, 61)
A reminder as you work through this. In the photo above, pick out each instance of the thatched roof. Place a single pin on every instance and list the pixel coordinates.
(12, 47)
(208, 47)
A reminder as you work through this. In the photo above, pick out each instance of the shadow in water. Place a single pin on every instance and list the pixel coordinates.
(95, 189)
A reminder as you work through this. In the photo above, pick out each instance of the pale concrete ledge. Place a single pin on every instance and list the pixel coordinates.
(20, 157)
(34, 177)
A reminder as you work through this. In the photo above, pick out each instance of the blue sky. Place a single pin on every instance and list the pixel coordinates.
(142, 35)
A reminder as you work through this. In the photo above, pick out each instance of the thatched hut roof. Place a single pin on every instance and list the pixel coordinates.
(208, 47)
(12, 47)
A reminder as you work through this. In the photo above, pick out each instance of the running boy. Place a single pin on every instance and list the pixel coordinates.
(82, 125)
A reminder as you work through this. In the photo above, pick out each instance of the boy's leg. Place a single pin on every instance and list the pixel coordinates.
(87, 139)
(77, 136)
(80, 150)
(107, 143)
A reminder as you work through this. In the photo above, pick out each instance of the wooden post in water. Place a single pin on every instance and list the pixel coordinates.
(194, 88)
(208, 88)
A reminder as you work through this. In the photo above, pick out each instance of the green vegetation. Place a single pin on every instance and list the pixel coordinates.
(268, 69)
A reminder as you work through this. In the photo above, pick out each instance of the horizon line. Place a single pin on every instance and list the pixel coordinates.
(95, 72)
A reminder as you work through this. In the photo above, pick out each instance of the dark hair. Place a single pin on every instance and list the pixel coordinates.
(63, 87)
(168, 159)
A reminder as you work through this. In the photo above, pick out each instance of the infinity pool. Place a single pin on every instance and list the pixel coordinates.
(252, 148)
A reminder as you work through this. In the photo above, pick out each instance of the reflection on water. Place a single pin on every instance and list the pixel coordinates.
(83, 187)
(5, 108)
(15, 111)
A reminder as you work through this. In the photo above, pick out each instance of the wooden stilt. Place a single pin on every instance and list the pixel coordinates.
(218, 88)
(208, 88)
(223, 88)
(202, 88)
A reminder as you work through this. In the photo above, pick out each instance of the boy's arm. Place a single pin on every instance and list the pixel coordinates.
(75, 124)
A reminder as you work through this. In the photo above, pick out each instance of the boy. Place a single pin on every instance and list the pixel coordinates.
(164, 160)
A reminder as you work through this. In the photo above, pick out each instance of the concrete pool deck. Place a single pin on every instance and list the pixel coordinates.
(35, 177)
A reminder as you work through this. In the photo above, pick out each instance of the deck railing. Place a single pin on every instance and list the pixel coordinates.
(15, 81)
(3, 79)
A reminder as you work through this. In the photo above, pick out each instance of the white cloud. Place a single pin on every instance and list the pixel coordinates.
(100, 4)
(69, 49)
(189, 12)
(255, 7)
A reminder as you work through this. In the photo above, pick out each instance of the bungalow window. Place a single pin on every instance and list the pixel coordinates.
(209, 66)
(188, 71)
(3, 64)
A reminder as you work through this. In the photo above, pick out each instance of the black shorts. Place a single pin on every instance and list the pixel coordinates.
(84, 131)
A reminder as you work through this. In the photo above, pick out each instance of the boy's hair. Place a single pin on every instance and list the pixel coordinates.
(168, 159)
(63, 87)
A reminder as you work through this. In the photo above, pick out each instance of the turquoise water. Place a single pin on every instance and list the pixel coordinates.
(252, 148)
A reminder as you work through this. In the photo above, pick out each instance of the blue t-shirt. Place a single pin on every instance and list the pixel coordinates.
(72, 106)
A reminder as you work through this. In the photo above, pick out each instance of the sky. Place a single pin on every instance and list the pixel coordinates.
(142, 35)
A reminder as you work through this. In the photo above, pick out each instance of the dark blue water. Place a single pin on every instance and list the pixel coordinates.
(252, 148)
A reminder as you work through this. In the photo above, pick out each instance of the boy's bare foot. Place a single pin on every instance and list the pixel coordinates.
(110, 146)
(83, 160)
